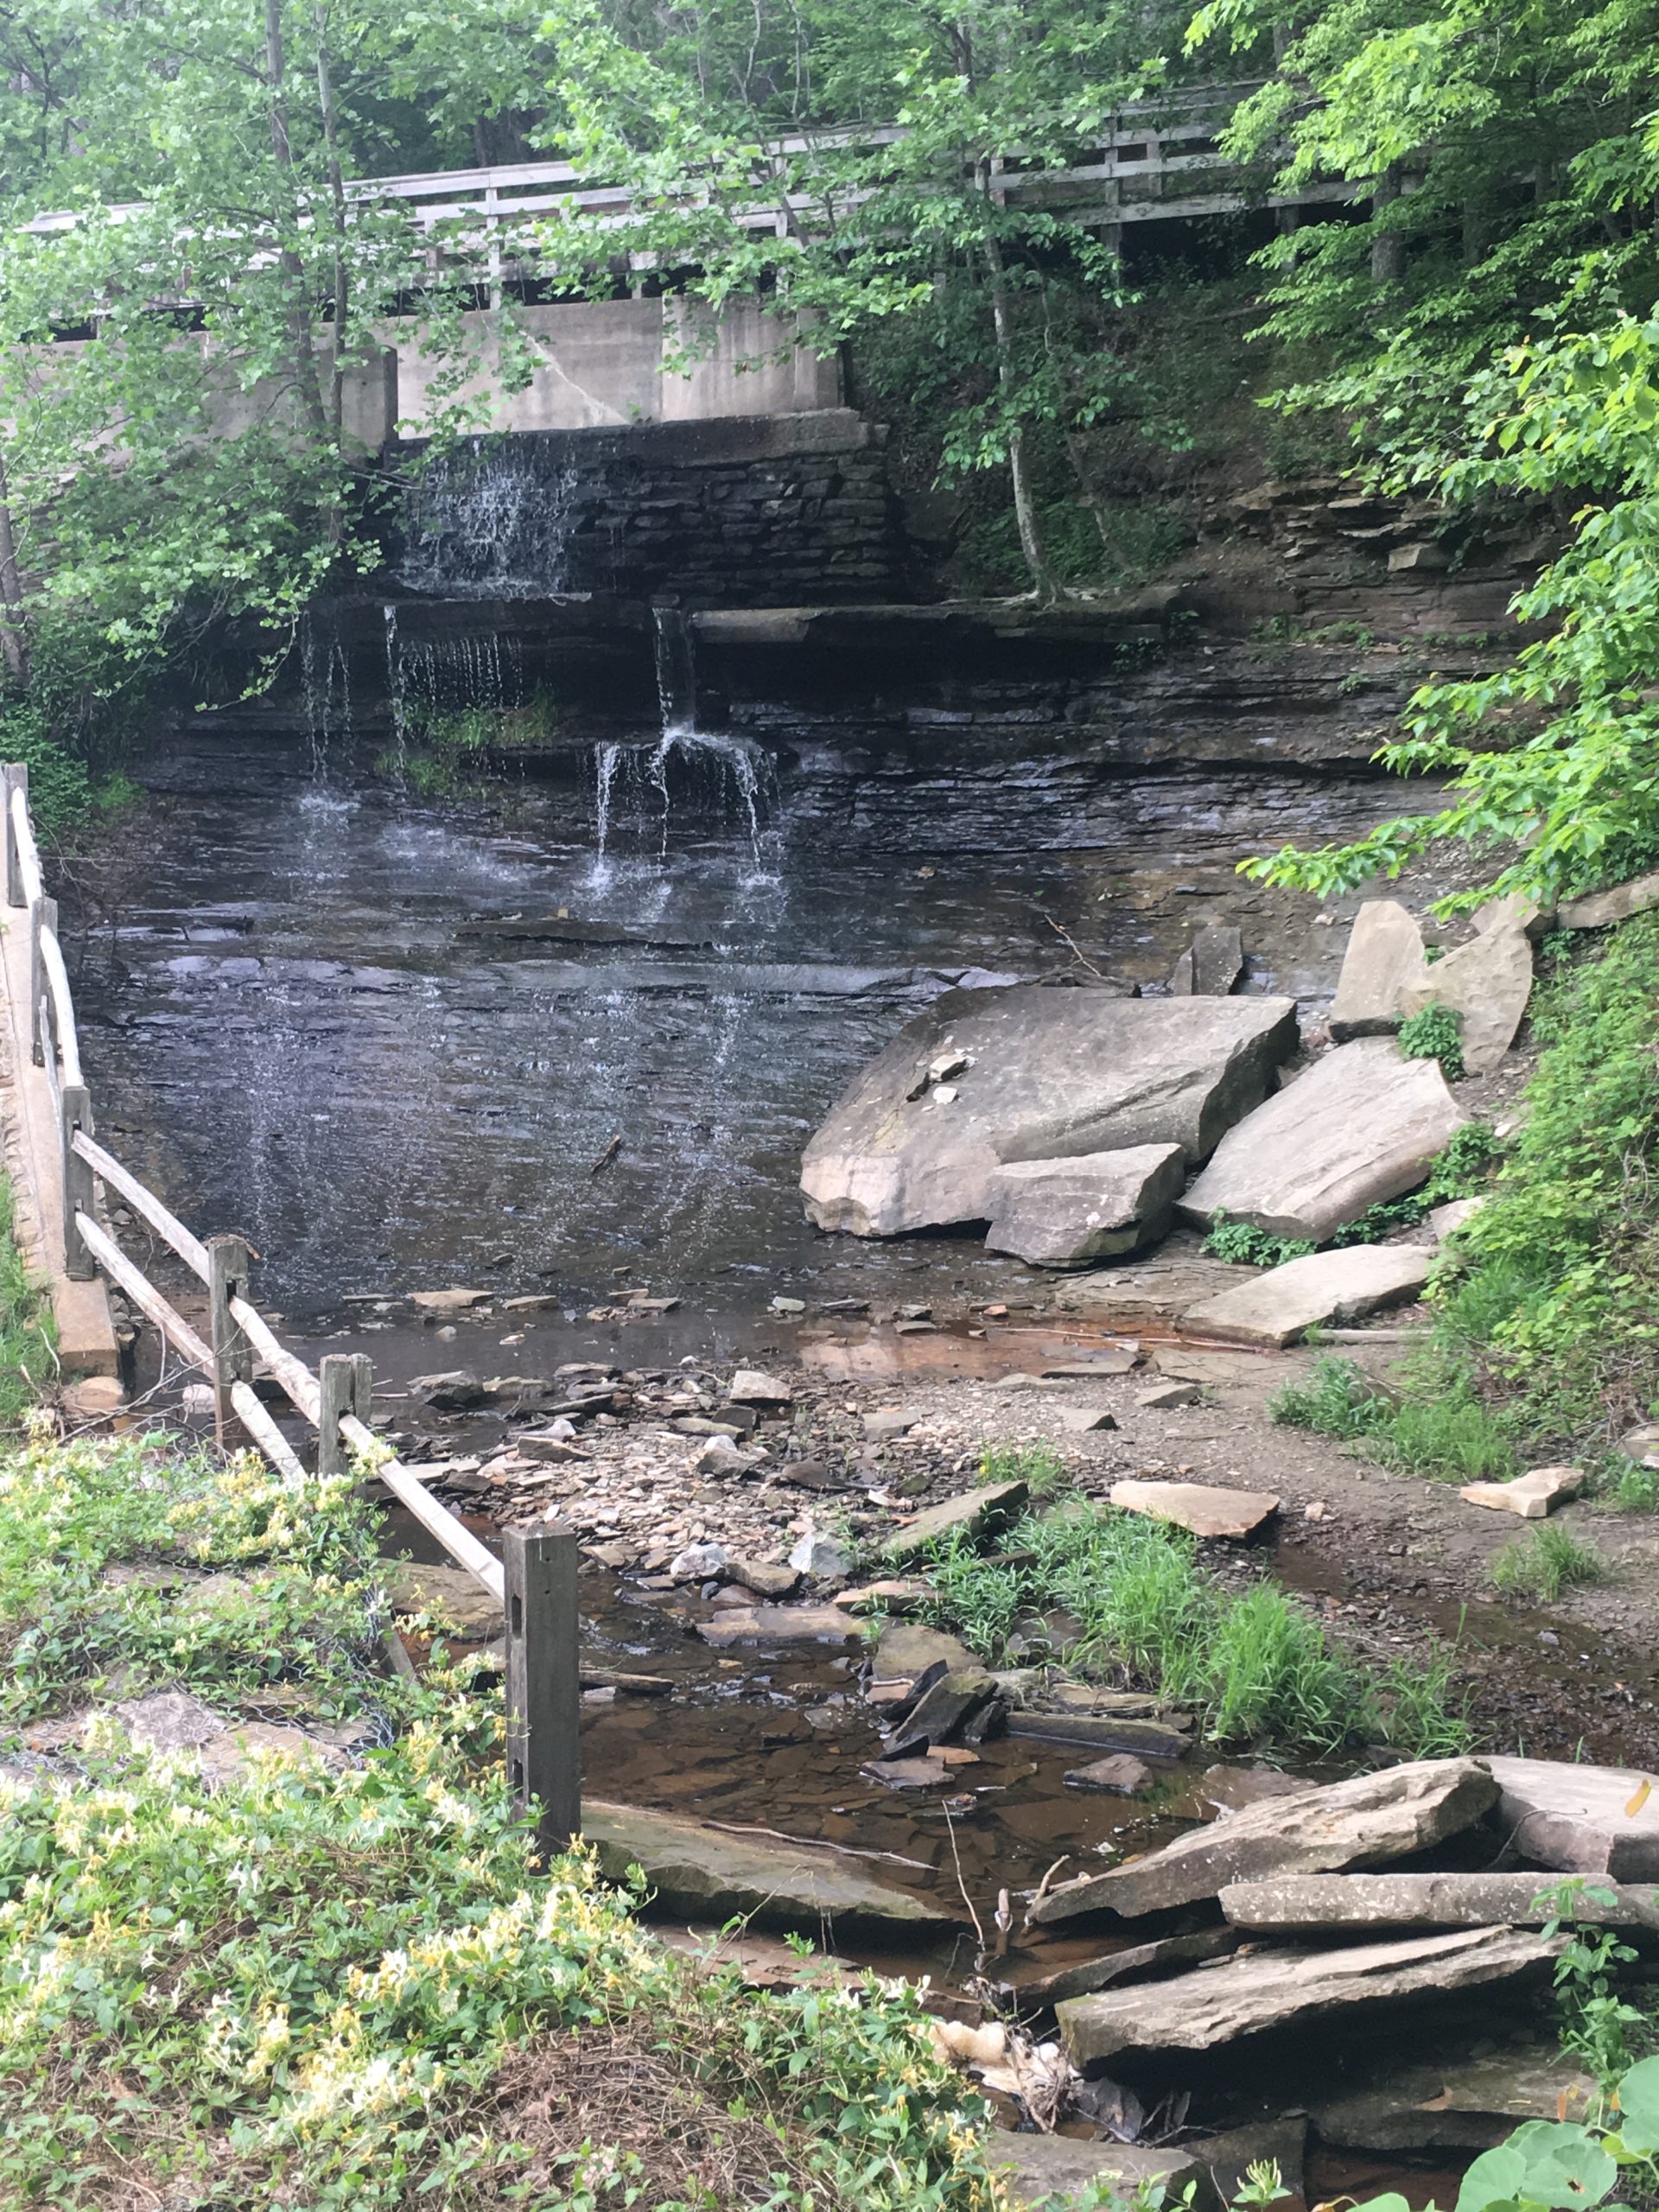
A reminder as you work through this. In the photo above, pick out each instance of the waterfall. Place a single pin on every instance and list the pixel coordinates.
(396, 698)
(326, 692)
(677, 672)
(491, 520)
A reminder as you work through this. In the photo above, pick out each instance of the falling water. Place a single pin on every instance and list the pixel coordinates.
(326, 690)
(396, 696)
(487, 522)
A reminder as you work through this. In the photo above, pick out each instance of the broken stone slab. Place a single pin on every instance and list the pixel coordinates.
(905, 1651)
(896, 1594)
(1385, 952)
(1534, 1495)
(1054, 1074)
(1471, 2104)
(1211, 965)
(1242, 1996)
(1601, 909)
(1206, 1508)
(168, 1720)
(1116, 1359)
(1123, 1776)
(449, 1591)
(750, 1387)
(779, 1625)
(1063, 1213)
(448, 1301)
(915, 1771)
(1228, 2158)
(1442, 1221)
(887, 1422)
(821, 1557)
(1298, 1902)
(974, 1514)
(763, 1578)
(457, 1390)
(942, 1711)
(698, 1563)
(1578, 1820)
(1058, 2172)
(1488, 982)
(1084, 1420)
(1133, 1962)
(1168, 1397)
(1345, 1285)
(1361, 1126)
(1365, 1821)
(1105, 1732)
(706, 1873)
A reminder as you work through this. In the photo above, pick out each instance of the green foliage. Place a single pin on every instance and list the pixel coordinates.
(1437, 1426)
(1039, 1466)
(1544, 1562)
(1244, 1245)
(1596, 2024)
(1256, 1664)
(27, 1339)
(1460, 1171)
(1436, 1033)
(293, 1985)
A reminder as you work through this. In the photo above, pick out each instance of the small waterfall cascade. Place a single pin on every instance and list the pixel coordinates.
(489, 520)
(685, 769)
(326, 695)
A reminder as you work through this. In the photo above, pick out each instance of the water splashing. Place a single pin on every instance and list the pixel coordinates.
(489, 521)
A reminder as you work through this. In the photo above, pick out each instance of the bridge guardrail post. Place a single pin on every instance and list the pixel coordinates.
(75, 1112)
(543, 1682)
(42, 916)
(14, 776)
(227, 1278)
(347, 1387)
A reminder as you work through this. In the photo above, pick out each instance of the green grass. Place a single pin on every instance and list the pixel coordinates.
(1039, 1466)
(1257, 1666)
(1543, 1563)
(28, 1355)
(1438, 1428)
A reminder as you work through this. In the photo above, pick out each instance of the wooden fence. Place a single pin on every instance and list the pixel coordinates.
(535, 1584)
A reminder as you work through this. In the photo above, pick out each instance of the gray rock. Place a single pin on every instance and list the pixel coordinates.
(822, 1557)
(1133, 1962)
(905, 1651)
(750, 1387)
(1324, 1287)
(766, 1580)
(1579, 1820)
(1123, 1776)
(942, 1712)
(1054, 1074)
(1489, 982)
(1228, 2158)
(1361, 1126)
(719, 1456)
(973, 1513)
(1211, 966)
(1471, 2104)
(1442, 1222)
(1203, 1507)
(888, 1421)
(1104, 1731)
(1365, 1821)
(448, 1591)
(698, 1563)
(1058, 2172)
(1245, 1996)
(1063, 1213)
(1601, 909)
(1385, 952)
(710, 1875)
(168, 1720)
(1084, 1420)
(1335, 1901)
(1166, 1397)
(456, 1391)
(779, 1625)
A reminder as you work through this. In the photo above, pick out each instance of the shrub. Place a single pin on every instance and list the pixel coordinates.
(1436, 1033)
(1243, 1246)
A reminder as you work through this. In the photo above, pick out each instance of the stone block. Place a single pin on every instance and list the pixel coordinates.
(1063, 1213)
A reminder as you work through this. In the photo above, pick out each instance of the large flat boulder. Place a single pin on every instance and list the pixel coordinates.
(1579, 1820)
(709, 1874)
(1206, 1509)
(969, 1515)
(1298, 1903)
(1385, 952)
(986, 1078)
(1601, 909)
(1365, 1821)
(1362, 1125)
(1471, 2104)
(1058, 2171)
(1246, 1996)
(1487, 981)
(1062, 1213)
(1282, 1305)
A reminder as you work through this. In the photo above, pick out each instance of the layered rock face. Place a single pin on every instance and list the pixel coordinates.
(988, 1077)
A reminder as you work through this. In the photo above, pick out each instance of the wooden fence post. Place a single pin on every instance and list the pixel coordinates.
(75, 1103)
(42, 915)
(544, 1686)
(14, 776)
(347, 1381)
(227, 1278)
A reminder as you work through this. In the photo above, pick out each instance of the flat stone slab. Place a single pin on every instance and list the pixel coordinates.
(751, 1387)
(1206, 1508)
(1275, 1308)
(1063, 1213)
(1046, 1074)
(450, 1591)
(1472, 2105)
(1579, 1820)
(1131, 1962)
(1385, 952)
(1059, 2172)
(1601, 909)
(1361, 1126)
(780, 1624)
(1533, 1495)
(702, 1873)
(1104, 1732)
(1242, 1996)
(905, 1651)
(1299, 1902)
(1123, 1776)
(1487, 981)
(974, 1512)
(1365, 1821)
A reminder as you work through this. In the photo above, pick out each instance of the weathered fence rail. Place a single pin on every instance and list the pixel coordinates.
(536, 1588)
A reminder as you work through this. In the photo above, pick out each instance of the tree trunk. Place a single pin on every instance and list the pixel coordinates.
(1025, 503)
(337, 190)
(300, 325)
(1388, 247)
(13, 642)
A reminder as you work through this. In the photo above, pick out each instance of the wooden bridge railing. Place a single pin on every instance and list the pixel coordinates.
(535, 1584)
